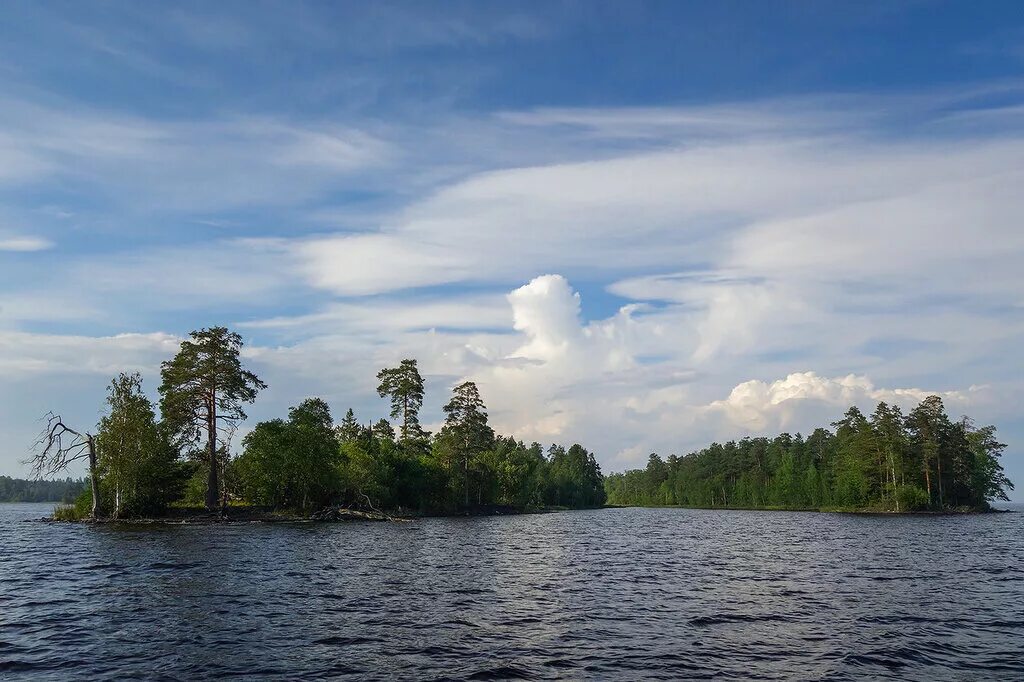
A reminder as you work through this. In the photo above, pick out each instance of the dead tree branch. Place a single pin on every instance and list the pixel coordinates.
(59, 446)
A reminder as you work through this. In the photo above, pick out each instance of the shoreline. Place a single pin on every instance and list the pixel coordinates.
(825, 510)
(257, 515)
(252, 515)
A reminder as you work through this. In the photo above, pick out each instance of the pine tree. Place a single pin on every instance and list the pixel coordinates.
(403, 385)
(349, 428)
(927, 424)
(204, 387)
(466, 433)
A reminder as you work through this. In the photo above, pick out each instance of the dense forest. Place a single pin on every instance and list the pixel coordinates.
(887, 461)
(22, 490)
(144, 458)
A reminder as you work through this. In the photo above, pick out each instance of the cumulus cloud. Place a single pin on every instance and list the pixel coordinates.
(760, 406)
(625, 385)
(566, 379)
(588, 379)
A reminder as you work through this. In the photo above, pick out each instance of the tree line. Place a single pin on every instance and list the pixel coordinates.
(143, 457)
(26, 490)
(886, 461)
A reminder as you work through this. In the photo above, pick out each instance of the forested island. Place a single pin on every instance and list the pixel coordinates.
(887, 461)
(149, 460)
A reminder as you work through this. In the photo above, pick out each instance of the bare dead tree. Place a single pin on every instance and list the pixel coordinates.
(58, 447)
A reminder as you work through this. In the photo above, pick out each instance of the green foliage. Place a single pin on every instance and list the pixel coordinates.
(574, 478)
(203, 389)
(68, 512)
(23, 490)
(911, 498)
(80, 508)
(194, 491)
(294, 463)
(988, 482)
(520, 471)
(138, 466)
(924, 461)
(304, 461)
(403, 386)
(885, 461)
(349, 428)
(463, 440)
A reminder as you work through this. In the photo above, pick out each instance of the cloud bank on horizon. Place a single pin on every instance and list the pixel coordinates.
(640, 244)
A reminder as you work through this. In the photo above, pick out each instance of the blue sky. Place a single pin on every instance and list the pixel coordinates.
(637, 225)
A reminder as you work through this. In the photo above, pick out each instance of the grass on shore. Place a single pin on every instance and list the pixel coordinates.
(67, 512)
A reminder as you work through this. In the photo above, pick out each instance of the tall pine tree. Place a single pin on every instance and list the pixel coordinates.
(204, 387)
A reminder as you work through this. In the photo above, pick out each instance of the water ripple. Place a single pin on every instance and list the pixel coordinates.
(614, 594)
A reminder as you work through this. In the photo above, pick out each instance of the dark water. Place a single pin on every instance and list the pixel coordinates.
(611, 594)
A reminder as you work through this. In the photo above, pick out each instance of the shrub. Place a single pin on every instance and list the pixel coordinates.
(912, 498)
(67, 512)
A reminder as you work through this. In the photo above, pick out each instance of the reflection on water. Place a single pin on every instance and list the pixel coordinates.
(609, 594)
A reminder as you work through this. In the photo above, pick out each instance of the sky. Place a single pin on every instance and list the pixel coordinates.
(641, 226)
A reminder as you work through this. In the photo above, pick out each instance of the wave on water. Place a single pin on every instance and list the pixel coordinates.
(607, 594)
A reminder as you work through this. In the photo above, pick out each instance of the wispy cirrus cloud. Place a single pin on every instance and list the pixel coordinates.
(148, 164)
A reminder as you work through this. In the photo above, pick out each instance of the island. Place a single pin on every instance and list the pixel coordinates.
(885, 462)
(172, 460)
(177, 465)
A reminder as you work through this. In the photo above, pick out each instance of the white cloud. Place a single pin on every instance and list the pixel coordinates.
(22, 244)
(23, 353)
(149, 165)
(624, 385)
(795, 211)
(375, 316)
(761, 407)
(122, 290)
(368, 264)
(744, 247)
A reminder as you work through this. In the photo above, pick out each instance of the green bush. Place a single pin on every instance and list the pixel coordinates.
(195, 487)
(67, 512)
(912, 498)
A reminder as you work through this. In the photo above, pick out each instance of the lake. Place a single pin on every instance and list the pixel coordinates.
(606, 594)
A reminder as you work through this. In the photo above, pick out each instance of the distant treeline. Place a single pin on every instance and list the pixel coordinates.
(144, 458)
(887, 461)
(21, 490)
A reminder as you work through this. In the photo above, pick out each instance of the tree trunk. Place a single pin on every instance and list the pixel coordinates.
(94, 481)
(892, 469)
(224, 487)
(405, 419)
(212, 485)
